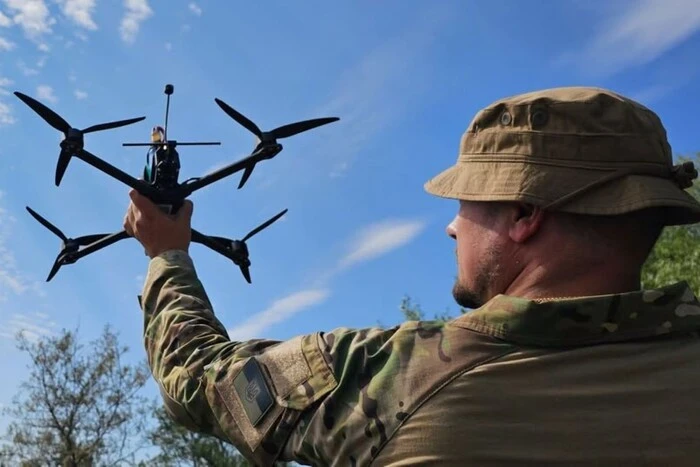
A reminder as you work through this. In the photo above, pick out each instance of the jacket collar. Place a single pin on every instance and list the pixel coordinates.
(587, 320)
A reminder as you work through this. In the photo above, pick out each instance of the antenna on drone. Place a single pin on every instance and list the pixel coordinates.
(169, 89)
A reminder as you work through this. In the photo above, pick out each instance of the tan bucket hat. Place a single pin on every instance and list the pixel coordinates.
(583, 150)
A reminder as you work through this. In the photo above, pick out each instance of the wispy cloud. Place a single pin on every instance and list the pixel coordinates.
(369, 243)
(6, 117)
(32, 325)
(12, 281)
(379, 239)
(196, 9)
(137, 11)
(26, 70)
(45, 92)
(637, 35)
(80, 12)
(80, 95)
(5, 22)
(6, 45)
(278, 311)
(31, 15)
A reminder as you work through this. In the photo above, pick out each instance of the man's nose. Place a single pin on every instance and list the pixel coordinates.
(451, 230)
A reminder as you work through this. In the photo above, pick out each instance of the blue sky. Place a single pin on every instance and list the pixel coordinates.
(405, 78)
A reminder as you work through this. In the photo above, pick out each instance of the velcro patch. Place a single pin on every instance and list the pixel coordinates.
(253, 392)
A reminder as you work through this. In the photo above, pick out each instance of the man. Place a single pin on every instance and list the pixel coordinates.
(564, 360)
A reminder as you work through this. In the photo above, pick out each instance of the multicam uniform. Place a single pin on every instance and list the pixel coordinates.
(606, 380)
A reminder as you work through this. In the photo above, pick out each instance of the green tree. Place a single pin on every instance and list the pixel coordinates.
(182, 447)
(78, 407)
(676, 255)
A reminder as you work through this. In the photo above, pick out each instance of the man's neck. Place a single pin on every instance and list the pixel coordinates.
(537, 281)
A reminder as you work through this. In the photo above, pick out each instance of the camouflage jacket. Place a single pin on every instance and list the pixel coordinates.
(341, 397)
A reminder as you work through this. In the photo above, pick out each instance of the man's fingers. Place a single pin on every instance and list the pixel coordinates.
(143, 204)
(184, 214)
(129, 220)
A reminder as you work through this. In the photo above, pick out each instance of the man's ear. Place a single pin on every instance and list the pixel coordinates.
(526, 222)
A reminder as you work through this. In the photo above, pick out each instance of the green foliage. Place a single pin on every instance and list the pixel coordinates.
(414, 312)
(676, 255)
(181, 447)
(78, 407)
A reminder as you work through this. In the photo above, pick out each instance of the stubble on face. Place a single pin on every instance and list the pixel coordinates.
(473, 292)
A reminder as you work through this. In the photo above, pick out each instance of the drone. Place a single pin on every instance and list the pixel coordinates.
(160, 177)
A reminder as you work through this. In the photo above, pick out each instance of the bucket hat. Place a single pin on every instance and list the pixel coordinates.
(584, 150)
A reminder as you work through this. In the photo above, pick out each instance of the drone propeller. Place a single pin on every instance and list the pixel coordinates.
(241, 245)
(269, 138)
(69, 245)
(73, 141)
(47, 224)
(264, 225)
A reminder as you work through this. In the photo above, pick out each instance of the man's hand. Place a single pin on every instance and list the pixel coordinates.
(157, 231)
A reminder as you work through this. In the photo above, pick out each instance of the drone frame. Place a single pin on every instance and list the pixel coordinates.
(73, 146)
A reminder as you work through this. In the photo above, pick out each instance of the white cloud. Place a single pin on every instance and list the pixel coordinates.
(370, 243)
(6, 45)
(137, 11)
(11, 279)
(26, 71)
(33, 326)
(194, 8)
(278, 311)
(381, 238)
(637, 35)
(6, 117)
(5, 22)
(31, 15)
(45, 93)
(80, 95)
(43, 47)
(80, 11)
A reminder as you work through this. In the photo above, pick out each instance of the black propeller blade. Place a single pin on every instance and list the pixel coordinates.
(245, 270)
(73, 141)
(269, 138)
(246, 175)
(284, 131)
(240, 118)
(47, 224)
(264, 225)
(51, 117)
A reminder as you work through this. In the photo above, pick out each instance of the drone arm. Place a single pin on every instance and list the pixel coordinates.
(210, 242)
(104, 242)
(230, 169)
(139, 185)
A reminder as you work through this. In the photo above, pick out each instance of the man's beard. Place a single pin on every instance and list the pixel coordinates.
(486, 275)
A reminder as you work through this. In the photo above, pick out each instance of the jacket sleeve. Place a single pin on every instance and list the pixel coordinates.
(323, 398)
(250, 393)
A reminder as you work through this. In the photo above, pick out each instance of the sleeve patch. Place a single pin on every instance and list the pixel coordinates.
(253, 392)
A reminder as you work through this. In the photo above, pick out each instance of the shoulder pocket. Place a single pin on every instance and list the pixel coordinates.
(265, 394)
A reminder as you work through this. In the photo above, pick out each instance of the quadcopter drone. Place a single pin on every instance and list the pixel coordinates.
(160, 177)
